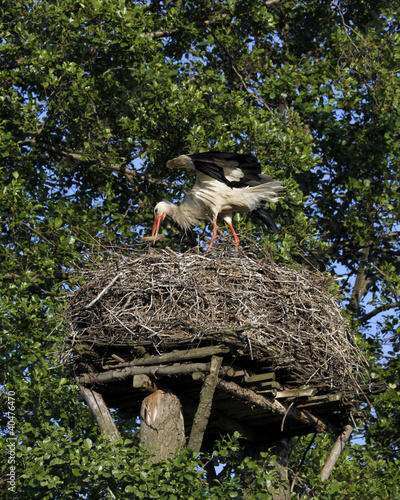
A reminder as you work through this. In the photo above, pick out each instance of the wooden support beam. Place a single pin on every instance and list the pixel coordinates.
(221, 419)
(204, 409)
(128, 372)
(334, 454)
(174, 356)
(271, 404)
(101, 413)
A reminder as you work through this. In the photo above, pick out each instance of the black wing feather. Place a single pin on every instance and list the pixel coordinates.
(212, 170)
(262, 215)
(205, 163)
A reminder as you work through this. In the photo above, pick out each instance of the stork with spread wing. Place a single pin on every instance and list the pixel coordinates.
(226, 183)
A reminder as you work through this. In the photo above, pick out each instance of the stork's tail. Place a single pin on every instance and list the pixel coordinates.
(267, 192)
(264, 217)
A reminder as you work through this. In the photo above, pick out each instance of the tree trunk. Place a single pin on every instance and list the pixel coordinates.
(161, 425)
(281, 450)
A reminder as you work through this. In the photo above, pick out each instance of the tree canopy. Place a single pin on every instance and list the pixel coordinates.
(96, 96)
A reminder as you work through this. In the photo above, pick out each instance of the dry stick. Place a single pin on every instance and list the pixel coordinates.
(169, 357)
(204, 409)
(271, 404)
(154, 371)
(334, 454)
(285, 415)
(104, 290)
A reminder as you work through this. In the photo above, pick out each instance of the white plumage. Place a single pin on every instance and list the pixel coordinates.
(226, 183)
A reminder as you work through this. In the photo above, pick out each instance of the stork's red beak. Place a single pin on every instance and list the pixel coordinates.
(156, 226)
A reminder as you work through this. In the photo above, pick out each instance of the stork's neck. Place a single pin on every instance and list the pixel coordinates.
(188, 213)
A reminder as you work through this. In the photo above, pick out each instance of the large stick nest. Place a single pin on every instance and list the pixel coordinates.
(271, 317)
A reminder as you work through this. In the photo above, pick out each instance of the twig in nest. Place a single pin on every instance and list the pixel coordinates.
(104, 290)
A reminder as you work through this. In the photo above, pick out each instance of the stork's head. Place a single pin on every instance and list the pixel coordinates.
(160, 211)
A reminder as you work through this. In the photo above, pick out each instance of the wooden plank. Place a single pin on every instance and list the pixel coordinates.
(203, 412)
(271, 385)
(268, 392)
(320, 400)
(261, 377)
(296, 393)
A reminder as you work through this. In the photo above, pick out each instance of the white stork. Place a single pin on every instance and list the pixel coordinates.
(226, 183)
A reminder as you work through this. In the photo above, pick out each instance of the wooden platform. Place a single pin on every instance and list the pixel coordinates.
(251, 402)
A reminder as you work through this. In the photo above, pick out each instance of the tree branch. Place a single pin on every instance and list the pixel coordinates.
(360, 286)
(271, 404)
(377, 310)
(79, 158)
(14, 63)
(152, 371)
(337, 449)
(199, 24)
(101, 413)
(347, 28)
(233, 66)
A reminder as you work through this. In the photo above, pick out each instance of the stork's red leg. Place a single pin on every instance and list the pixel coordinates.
(214, 235)
(237, 241)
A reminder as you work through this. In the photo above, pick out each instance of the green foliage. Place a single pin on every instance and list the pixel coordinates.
(96, 96)
(361, 472)
(94, 469)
